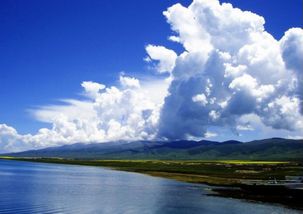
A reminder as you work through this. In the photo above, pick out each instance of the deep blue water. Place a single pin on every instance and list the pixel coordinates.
(27, 187)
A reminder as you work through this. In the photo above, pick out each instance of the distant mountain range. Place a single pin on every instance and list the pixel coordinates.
(267, 149)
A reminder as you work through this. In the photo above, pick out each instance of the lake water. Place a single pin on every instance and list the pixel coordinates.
(27, 187)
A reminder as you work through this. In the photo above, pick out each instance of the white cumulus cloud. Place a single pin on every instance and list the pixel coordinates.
(166, 58)
(106, 114)
(231, 67)
(232, 74)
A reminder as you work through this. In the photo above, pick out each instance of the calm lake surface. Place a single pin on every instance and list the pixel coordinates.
(27, 187)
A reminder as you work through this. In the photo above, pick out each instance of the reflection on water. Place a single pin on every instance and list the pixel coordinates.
(49, 188)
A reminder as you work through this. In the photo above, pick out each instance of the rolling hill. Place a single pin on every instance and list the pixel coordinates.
(267, 149)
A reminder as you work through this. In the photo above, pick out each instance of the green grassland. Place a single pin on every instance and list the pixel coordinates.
(220, 172)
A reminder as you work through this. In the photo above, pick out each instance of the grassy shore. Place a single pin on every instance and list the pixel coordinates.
(218, 172)
(239, 179)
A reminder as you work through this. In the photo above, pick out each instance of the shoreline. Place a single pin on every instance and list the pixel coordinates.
(221, 186)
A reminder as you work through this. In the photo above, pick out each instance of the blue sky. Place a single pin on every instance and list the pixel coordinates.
(48, 48)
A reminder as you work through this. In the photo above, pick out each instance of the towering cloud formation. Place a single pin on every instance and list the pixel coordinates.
(232, 73)
(292, 52)
(231, 67)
